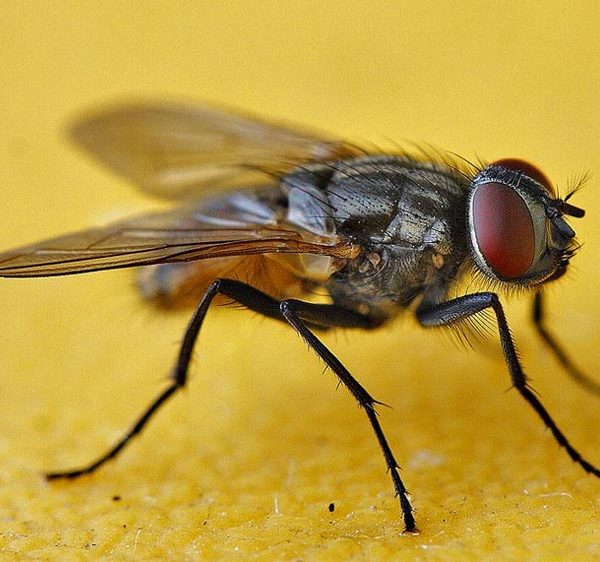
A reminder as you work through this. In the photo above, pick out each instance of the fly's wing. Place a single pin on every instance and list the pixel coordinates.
(177, 151)
(181, 235)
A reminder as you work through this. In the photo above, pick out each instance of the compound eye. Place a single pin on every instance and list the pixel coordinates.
(528, 169)
(503, 229)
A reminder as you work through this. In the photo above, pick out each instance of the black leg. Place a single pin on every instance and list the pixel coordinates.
(572, 370)
(116, 449)
(457, 309)
(179, 378)
(298, 314)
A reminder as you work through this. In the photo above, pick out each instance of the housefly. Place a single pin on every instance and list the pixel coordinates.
(269, 214)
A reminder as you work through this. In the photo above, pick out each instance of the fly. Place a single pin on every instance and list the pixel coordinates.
(269, 214)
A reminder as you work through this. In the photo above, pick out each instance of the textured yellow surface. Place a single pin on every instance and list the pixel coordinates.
(244, 463)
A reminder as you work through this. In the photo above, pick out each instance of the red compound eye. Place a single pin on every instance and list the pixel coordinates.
(504, 229)
(518, 165)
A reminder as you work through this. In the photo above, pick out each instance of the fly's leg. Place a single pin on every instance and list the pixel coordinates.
(452, 311)
(116, 449)
(178, 377)
(299, 315)
(572, 370)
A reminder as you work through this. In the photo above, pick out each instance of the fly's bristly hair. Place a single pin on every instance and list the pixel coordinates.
(470, 333)
(484, 282)
(575, 184)
(366, 148)
(566, 257)
(421, 152)
(429, 153)
(473, 331)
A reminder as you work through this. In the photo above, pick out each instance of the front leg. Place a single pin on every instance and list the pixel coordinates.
(452, 311)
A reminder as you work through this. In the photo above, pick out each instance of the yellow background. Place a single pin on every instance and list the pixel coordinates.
(245, 462)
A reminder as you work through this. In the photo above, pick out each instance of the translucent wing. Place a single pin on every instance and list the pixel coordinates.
(176, 151)
(181, 235)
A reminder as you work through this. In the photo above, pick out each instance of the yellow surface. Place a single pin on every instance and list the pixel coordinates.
(245, 462)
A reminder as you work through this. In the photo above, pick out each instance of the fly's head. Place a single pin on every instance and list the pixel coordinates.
(517, 227)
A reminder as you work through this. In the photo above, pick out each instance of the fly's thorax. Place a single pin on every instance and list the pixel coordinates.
(409, 219)
(362, 196)
(517, 231)
(387, 197)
